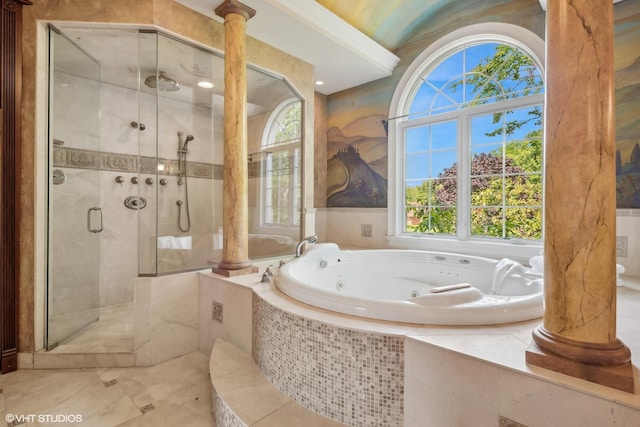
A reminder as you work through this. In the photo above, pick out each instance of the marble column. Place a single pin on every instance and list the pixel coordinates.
(578, 334)
(235, 215)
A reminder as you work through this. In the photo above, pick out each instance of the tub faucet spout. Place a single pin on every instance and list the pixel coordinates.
(303, 243)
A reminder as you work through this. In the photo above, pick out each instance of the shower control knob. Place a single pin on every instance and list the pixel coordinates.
(119, 179)
(149, 181)
(134, 180)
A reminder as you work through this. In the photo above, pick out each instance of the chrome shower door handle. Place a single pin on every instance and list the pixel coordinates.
(94, 230)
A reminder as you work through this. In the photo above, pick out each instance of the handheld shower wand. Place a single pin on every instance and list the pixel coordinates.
(182, 178)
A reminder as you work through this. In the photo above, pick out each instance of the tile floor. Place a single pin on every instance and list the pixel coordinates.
(111, 333)
(173, 393)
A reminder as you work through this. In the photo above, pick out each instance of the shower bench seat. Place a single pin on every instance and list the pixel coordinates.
(242, 395)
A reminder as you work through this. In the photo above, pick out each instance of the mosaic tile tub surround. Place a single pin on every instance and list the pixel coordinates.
(351, 376)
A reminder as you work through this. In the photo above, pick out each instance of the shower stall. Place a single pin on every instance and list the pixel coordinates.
(135, 162)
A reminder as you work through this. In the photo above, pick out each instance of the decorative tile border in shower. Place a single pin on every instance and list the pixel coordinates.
(354, 377)
(98, 160)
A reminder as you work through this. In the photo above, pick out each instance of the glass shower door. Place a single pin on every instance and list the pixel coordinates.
(74, 215)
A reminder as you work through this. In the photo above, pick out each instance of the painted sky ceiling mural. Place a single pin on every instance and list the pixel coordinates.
(389, 22)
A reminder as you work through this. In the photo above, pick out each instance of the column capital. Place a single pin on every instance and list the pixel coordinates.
(234, 6)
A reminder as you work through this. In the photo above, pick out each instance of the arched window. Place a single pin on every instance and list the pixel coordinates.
(466, 131)
(281, 189)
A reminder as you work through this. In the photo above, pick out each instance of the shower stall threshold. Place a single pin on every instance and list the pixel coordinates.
(111, 333)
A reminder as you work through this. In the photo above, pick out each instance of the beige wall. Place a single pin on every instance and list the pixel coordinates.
(167, 15)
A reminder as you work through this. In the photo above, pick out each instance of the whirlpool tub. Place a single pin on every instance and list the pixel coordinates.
(414, 286)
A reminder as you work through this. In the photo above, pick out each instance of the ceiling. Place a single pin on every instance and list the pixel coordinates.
(349, 42)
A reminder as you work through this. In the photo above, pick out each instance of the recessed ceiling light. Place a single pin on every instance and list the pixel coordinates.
(319, 82)
(205, 85)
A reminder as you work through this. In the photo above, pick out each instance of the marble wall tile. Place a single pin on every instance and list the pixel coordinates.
(120, 107)
(466, 387)
(538, 403)
(168, 326)
(236, 301)
(478, 392)
(76, 111)
(343, 226)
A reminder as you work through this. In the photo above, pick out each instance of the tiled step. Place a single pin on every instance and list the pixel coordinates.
(242, 396)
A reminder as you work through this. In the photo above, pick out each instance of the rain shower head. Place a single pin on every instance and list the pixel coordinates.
(162, 82)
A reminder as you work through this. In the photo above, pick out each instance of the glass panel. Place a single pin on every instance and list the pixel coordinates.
(431, 178)
(451, 66)
(443, 163)
(189, 141)
(444, 135)
(445, 192)
(487, 222)
(149, 245)
(487, 191)
(275, 147)
(417, 166)
(423, 99)
(417, 139)
(524, 223)
(443, 220)
(75, 216)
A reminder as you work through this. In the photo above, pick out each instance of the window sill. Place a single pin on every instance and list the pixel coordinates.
(517, 250)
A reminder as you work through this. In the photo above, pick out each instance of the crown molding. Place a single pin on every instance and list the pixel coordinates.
(342, 56)
(324, 22)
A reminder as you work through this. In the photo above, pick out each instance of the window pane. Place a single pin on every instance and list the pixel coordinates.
(487, 128)
(487, 191)
(414, 215)
(417, 192)
(523, 122)
(487, 160)
(474, 55)
(444, 135)
(523, 190)
(441, 221)
(423, 99)
(417, 139)
(416, 166)
(445, 192)
(487, 222)
(525, 223)
(442, 163)
(451, 66)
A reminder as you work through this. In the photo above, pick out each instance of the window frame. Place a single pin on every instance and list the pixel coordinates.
(398, 123)
(268, 148)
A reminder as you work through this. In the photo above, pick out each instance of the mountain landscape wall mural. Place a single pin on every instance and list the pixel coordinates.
(357, 164)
